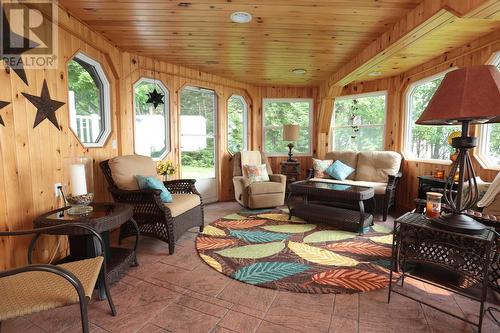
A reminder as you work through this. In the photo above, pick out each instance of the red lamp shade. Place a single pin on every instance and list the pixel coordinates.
(471, 94)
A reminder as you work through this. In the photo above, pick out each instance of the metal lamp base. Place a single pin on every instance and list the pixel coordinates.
(458, 223)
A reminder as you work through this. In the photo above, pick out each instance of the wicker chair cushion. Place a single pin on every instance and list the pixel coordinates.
(349, 158)
(182, 202)
(376, 166)
(125, 168)
(494, 207)
(31, 292)
(264, 188)
(379, 188)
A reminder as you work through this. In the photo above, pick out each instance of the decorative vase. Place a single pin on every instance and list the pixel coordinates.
(165, 178)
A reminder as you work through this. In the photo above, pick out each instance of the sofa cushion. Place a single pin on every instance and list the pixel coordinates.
(376, 166)
(379, 188)
(494, 207)
(125, 168)
(265, 188)
(347, 157)
(182, 202)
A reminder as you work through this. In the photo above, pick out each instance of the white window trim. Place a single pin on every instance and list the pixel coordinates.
(311, 110)
(356, 96)
(166, 103)
(408, 155)
(245, 121)
(481, 148)
(106, 93)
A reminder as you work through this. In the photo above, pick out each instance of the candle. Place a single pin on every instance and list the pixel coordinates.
(433, 205)
(78, 180)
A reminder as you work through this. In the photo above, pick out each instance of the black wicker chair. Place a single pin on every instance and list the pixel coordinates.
(37, 287)
(152, 216)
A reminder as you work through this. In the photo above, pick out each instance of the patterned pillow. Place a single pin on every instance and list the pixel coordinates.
(339, 170)
(257, 173)
(320, 166)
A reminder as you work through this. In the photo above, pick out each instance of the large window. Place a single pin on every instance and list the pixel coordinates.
(88, 101)
(279, 112)
(489, 135)
(151, 132)
(237, 122)
(424, 141)
(358, 122)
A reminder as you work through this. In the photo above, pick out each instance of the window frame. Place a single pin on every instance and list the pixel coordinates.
(311, 118)
(384, 93)
(245, 123)
(105, 100)
(407, 153)
(483, 130)
(166, 104)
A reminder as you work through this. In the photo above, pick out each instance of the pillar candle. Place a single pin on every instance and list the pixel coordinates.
(78, 180)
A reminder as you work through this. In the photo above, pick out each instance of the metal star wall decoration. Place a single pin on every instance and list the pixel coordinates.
(15, 53)
(2, 105)
(155, 97)
(46, 107)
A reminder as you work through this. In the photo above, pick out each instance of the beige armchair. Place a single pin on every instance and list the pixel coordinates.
(257, 194)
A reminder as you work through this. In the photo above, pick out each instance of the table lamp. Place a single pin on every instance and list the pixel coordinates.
(290, 133)
(466, 96)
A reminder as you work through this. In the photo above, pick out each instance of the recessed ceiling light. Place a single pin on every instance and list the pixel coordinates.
(374, 73)
(299, 71)
(241, 17)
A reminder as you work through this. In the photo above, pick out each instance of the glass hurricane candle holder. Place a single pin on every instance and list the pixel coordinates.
(79, 193)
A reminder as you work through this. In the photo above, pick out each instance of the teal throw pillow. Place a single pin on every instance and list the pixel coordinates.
(153, 183)
(339, 170)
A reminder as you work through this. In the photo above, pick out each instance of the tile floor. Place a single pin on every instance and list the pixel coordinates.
(179, 293)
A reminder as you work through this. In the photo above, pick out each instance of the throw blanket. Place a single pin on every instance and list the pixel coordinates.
(492, 192)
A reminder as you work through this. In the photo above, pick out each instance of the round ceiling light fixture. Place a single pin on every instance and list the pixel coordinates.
(299, 71)
(241, 17)
(374, 73)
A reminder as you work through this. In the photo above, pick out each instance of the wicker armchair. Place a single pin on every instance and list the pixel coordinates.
(34, 288)
(155, 218)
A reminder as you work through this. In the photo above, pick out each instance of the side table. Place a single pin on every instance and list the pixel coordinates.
(104, 217)
(291, 169)
(459, 263)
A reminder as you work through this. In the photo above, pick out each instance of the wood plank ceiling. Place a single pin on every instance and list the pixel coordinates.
(318, 36)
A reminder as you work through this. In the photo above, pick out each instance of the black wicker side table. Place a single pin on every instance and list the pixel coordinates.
(104, 217)
(459, 263)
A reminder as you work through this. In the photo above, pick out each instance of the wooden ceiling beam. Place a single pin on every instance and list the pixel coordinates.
(426, 17)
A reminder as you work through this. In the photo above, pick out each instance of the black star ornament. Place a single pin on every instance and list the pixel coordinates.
(46, 107)
(155, 97)
(2, 105)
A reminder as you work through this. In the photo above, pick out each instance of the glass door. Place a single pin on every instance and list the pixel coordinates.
(198, 144)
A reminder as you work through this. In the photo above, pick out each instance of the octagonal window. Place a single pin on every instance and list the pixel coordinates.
(88, 101)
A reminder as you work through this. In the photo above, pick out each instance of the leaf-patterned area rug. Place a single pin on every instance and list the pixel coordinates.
(268, 250)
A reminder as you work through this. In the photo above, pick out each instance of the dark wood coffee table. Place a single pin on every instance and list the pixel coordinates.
(340, 205)
(104, 217)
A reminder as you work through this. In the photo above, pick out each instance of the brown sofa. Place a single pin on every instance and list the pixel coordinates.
(377, 169)
(164, 221)
(258, 194)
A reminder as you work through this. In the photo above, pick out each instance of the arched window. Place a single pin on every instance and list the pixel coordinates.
(237, 124)
(88, 101)
(423, 141)
(152, 126)
(489, 135)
